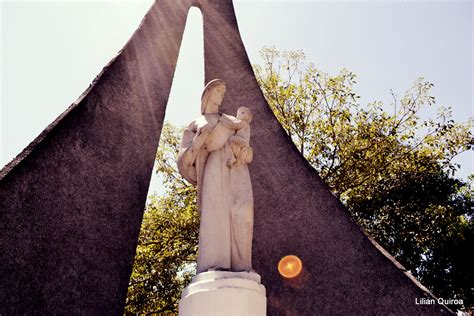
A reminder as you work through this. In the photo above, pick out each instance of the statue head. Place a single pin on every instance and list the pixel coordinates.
(212, 96)
(244, 113)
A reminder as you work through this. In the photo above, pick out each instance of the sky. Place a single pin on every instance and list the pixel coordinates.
(52, 50)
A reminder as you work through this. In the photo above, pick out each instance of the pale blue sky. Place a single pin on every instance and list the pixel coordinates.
(51, 51)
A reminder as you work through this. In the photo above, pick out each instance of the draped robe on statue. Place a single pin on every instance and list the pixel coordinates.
(225, 198)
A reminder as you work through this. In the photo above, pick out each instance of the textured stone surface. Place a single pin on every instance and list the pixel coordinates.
(72, 202)
(295, 213)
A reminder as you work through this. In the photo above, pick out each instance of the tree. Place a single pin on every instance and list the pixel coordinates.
(349, 144)
(167, 245)
(392, 171)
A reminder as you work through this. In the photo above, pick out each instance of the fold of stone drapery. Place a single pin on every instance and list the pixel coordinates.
(72, 202)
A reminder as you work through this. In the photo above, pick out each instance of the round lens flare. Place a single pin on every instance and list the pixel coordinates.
(290, 266)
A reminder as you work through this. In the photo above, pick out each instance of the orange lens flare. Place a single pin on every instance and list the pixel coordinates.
(290, 266)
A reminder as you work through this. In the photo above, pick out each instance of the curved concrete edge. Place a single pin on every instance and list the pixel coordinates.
(38, 139)
(72, 201)
(407, 273)
(341, 269)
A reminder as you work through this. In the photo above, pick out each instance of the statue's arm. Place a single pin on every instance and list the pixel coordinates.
(237, 140)
(230, 122)
(242, 139)
(247, 154)
(242, 136)
(188, 152)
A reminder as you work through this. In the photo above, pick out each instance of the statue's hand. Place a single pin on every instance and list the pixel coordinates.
(206, 129)
(247, 154)
(237, 141)
(200, 137)
(228, 121)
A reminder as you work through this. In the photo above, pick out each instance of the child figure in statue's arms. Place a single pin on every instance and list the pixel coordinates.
(238, 147)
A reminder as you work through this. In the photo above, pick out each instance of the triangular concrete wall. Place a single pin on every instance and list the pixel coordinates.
(72, 202)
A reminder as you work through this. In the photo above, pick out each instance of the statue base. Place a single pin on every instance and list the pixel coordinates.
(224, 293)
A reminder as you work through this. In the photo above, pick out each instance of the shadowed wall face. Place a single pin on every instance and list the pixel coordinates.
(295, 212)
(71, 204)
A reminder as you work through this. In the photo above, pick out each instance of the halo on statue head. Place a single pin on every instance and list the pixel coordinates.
(205, 95)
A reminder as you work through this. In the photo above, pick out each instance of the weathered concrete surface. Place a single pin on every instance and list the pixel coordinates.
(71, 204)
(295, 213)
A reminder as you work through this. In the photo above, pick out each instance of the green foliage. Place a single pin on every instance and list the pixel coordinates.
(167, 246)
(393, 171)
(349, 144)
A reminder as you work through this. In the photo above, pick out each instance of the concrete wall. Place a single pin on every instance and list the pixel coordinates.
(71, 204)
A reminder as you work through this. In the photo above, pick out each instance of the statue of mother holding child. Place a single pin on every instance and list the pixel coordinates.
(214, 155)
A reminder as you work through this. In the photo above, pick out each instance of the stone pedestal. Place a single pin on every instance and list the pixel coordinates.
(224, 293)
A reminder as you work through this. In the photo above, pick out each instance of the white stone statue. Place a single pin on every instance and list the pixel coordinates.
(214, 155)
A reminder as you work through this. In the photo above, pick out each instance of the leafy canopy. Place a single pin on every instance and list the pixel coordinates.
(167, 246)
(392, 170)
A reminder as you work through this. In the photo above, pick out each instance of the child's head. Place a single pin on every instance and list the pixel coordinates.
(244, 113)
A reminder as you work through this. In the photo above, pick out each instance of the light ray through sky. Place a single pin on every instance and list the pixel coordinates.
(52, 50)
